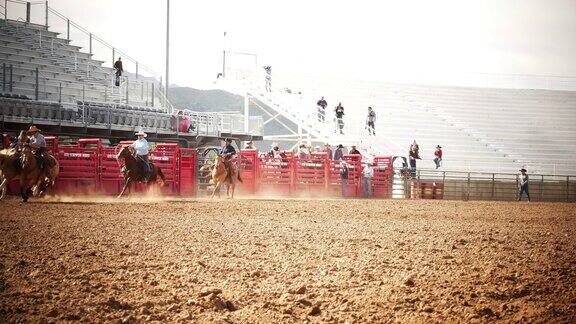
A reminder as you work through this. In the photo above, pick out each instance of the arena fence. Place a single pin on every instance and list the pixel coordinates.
(89, 167)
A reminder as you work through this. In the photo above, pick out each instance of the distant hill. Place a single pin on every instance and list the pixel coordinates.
(219, 100)
(205, 100)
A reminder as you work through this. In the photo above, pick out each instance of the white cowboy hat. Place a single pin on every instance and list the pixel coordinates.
(141, 133)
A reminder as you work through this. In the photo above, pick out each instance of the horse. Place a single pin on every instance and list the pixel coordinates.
(134, 172)
(221, 174)
(21, 163)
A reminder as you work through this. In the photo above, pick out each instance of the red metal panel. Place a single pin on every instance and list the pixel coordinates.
(111, 180)
(276, 176)
(248, 171)
(79, 170)
(187, 169)
(311, 175)
(382, 180)
(165, 156)
(354, 176)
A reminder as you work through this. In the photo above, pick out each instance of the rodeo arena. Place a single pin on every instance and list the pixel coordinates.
(375, 201)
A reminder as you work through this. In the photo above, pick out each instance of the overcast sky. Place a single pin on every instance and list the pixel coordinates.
(361, 39)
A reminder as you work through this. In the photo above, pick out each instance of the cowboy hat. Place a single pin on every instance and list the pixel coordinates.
(523, 170)
(32, 130)
(228, 139)
(141, 133)
(326, 144)
(438, 146)
(340, 146)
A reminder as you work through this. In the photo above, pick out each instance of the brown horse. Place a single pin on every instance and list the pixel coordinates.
(221, 174)
(134, 172)
(21, 163)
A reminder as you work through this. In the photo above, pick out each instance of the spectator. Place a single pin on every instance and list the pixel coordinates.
(249, 146)
(339, 153)
(370, 120)
(322, 109)
(175, 120)
(275, 152)
(303, 152)
(119, 70)
(184, 123)
(317, 149)
(367, 174)
(328, 151)
(268, 78)
(523, 184)
(354, 150)
(344, 177)
(413, 155)
(339, 110)
(438, 156)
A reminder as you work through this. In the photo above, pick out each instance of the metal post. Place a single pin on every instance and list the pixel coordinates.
(68, 29)
(36, 88)
(142, 91)
(113, 55)
(468, 190)
(542, 188)
(60, 93)
(3, 77)
(11, 83)
(83, 92)
(567, 188)
(493, 186)
(152, 94)
(6, 11)
(28, 12)
(167, 83)
(46, 15)
(90, 43)
(127, 89)
(246, 113)
(224, 58)
(136, 70)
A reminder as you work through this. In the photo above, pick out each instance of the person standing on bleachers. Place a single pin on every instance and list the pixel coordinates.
(119, 69)
(413, 155)
(370, 120)
(339, 111)
(438, 156)
(523, 184)
(322, 109)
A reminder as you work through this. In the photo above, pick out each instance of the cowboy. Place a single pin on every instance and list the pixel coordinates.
(354, 150)
(339, 153)
(249, 146)
(37, 142)
(328, 151)
(141, 147)
(438, 156)
(367, 175)
(523, 184)
(228, 152)
(344, 177)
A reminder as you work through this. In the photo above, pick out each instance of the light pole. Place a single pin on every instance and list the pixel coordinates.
(224, 58)
(167, 47)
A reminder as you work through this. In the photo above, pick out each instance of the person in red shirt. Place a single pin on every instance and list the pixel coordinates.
(438, 156)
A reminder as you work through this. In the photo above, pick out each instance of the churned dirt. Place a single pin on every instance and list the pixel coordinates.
(102, 260)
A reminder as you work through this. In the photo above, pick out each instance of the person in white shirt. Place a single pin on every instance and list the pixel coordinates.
(141, 147)
(367, 174)
(523, 184)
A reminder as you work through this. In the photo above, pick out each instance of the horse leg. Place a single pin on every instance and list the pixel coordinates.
(3, 185)
(125, 186)
(216, 188)
(23, 193)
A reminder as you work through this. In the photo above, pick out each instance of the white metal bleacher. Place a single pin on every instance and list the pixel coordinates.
(63, 67)
(480, 129)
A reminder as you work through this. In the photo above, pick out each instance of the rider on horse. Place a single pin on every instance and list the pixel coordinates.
(228, 152)
(141, 147)
(38, 144)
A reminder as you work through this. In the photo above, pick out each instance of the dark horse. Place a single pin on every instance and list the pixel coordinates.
(133, 170)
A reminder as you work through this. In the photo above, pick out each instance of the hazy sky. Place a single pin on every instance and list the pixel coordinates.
(363, 39)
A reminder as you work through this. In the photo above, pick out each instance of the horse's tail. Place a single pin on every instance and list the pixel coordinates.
(239, 177)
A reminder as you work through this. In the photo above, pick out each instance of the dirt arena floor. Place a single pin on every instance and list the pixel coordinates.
(272, 261)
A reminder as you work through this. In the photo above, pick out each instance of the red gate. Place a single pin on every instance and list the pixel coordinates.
(310, 175)
(79, 166)
(248, 171)
(187, 169)
(382, 180)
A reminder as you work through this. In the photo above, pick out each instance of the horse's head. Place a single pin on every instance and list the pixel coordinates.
(22, 137)
(27, 157)
(125, 152)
